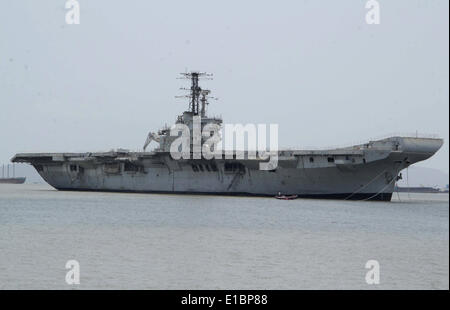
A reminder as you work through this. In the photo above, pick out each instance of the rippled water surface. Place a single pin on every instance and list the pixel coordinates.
(149, 241)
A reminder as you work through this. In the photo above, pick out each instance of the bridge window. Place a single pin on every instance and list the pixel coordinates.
(213, 167)
(331, 159)
(234, 167)
(228, 167)
(130, 167)
(112, 168)
(73, 167)
(311, 159)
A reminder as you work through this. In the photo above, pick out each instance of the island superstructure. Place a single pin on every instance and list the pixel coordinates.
(361, 172)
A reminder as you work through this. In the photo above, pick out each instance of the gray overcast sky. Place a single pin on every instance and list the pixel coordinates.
(314, 67)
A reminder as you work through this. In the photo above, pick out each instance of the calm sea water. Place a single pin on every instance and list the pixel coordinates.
(143, 241)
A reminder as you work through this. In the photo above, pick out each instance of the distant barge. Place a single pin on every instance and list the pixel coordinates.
(13, 180)
(419, 189)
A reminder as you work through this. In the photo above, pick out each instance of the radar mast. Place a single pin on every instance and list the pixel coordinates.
(196, 91)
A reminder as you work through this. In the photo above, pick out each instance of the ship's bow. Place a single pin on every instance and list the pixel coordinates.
(413, 150)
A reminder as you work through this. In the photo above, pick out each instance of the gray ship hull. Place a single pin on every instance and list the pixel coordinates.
(362, 172)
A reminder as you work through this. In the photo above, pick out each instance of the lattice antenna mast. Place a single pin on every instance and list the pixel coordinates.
(195, 90)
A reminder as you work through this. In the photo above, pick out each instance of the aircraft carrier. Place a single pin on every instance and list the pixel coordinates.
(366, 171)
